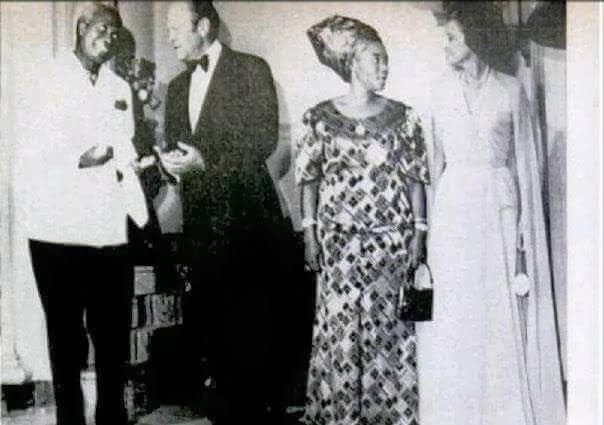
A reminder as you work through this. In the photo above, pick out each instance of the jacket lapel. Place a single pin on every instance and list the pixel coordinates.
(181, 113)
(215, 93)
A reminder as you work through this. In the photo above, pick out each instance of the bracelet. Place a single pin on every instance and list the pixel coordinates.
(308, 222)
(422, 227)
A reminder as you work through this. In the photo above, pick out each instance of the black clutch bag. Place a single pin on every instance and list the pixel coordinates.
(415, 299)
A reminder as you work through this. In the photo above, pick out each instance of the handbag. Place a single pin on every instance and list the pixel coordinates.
(415, 300)
(521, 284)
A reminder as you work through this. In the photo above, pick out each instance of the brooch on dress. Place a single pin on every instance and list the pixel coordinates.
(360, 130)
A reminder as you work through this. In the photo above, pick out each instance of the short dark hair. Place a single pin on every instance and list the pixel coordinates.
(87, 11)
(484, 31)
(205, 9)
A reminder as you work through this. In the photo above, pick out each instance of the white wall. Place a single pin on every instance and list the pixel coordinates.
(276, 31)
(27, 40)
(138, 18)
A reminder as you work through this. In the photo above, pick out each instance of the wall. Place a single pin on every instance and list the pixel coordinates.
(276, 32)
(138, 18)
(24, 349)
(554, 93)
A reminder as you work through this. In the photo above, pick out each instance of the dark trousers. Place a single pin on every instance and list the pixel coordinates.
(238, 319)
(73, 280)
(293, 328)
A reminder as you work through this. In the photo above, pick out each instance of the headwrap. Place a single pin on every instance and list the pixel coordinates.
(335, 40)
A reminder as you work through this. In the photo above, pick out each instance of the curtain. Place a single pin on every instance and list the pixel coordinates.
(548, 67)
(544, 79)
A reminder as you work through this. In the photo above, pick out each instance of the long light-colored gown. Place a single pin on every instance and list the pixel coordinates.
(488, 357)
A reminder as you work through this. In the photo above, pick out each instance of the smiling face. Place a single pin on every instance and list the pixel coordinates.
(186, 38)
(370, 65)
(456, 49)
(98, 36)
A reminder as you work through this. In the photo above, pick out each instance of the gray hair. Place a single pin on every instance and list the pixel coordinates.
(87, 11)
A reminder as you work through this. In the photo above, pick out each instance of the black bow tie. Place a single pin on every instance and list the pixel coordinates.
(203, 62)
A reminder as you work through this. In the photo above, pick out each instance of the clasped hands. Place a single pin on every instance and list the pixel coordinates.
(184, 159)
(176, 162)
(99, 155)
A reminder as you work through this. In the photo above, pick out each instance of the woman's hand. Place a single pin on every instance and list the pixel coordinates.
(312, 250)
(417, 249)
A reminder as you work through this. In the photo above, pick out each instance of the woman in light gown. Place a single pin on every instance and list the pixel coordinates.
(490, 355)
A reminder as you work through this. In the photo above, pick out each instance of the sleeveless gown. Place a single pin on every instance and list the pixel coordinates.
(471, 367)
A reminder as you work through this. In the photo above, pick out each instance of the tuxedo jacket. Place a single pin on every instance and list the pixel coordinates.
(233, 201)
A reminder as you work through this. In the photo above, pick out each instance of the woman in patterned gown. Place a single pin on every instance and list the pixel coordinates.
(490, 355)
(362, 168)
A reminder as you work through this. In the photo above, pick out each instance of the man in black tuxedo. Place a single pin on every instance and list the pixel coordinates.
(221, 125)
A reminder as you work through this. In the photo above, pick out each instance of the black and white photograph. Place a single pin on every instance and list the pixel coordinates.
(301, 212)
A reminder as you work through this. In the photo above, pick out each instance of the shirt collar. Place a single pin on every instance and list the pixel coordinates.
(213, 54)
(77, 68)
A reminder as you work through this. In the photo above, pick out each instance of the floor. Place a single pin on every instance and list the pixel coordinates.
(165, 415)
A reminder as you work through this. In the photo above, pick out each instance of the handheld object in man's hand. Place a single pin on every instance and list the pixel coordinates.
(100, 152)
(168, 147)
(143, 163)
(146, 161)
(96, 156)
(176, 154)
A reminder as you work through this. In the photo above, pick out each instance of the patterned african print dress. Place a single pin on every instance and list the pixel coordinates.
(362, 367)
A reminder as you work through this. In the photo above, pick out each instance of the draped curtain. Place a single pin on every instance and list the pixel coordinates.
(548, 77)
(542, 70)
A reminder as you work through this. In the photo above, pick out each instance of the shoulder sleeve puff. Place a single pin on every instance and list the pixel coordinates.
(413, 153)
(310, 146)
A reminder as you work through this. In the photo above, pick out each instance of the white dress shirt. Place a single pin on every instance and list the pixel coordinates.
(200, 81)
(61, 115)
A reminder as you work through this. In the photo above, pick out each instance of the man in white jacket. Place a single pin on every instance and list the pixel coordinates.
(76, 173)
